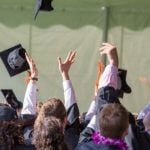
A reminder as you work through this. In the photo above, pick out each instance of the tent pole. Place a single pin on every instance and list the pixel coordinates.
(105, 9)
(30, 38)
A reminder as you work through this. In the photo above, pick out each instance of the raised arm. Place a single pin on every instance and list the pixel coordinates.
(29, 104)
(110, 74)
(72, 130)
(111, 52)
(64, 68)
(109, 78)
(69, 94)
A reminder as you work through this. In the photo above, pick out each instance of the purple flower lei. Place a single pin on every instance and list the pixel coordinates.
(99, 139)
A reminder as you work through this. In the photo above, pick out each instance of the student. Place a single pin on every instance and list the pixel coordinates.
(108, 83)
(113, 122)
(67, 113)
(28, 112)
(11, 130)
(72, 131)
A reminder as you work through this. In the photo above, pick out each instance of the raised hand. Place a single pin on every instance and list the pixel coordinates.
(111, 53)
(64, 67)
(33, 69)
(106, 48)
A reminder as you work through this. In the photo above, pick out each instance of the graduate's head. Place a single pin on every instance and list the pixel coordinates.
(113, 120)
(50, 135)
(52, 107)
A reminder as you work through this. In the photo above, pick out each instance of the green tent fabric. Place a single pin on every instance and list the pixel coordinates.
(133, 14)
(79, 25)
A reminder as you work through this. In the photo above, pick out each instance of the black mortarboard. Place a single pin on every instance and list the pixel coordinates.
(125, 87)
(43, 5)
(14, 60)
(11, 98)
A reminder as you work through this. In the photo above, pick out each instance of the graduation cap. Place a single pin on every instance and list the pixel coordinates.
(43, 5)
(11, 98)
(14, 60)
(125, 88)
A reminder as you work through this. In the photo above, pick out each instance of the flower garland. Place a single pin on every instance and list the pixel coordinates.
(99, 139)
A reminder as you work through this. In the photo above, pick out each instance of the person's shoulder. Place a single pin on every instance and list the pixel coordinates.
(85, 135)
(145, 138)
(90, 145)
(86, 146)
(24, 147)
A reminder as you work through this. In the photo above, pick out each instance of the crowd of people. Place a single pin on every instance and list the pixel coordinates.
(54, 125)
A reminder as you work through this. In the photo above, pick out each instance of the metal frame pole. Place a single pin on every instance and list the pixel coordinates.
(106, 11)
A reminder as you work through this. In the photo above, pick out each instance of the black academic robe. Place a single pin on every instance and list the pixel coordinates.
(92, 146)
(141, 139)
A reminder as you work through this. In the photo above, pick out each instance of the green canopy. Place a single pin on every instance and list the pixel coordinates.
(80, 25)
(133, 14)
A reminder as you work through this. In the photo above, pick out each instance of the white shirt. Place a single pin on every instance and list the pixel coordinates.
(30, 99)
(69, 94)
(109, 77)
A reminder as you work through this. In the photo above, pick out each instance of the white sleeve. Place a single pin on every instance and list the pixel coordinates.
(91, 111)
(29, 104)
(69, 94)
(93, 123)
(109, 77)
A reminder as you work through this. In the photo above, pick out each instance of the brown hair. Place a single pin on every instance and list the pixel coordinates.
(39, 106)
(49, 136)
(52, 107)
(113, 120)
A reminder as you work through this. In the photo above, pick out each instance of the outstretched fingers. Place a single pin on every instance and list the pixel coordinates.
(106, 48)
(32, 65)
(59, 60)
(72, 57)
(68, 57)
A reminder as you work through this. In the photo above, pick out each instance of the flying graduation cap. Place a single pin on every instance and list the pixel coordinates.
(43, 5)
(11, 98)
(14, 60)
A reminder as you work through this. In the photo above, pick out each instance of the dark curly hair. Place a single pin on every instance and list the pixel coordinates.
(10, 134)
(49, 135)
